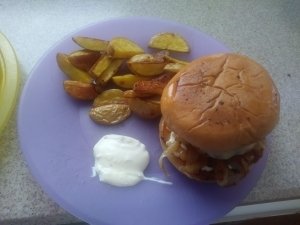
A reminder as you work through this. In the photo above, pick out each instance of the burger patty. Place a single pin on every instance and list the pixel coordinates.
(202, 167)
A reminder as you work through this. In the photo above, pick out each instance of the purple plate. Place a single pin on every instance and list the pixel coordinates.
(57, 138)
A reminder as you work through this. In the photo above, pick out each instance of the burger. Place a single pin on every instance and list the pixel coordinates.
(216, 113)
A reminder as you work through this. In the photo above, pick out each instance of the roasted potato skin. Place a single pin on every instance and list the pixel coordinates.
(169, 41)
(123, 48)
(173, 67)
(110, 96)
(127, 81)
(110, 114)
(80, 90)
(109, 72)
(100, 66)
(84, 59)
(71, 71)
(146, 65)
(144, 107)
(170, 59)
(152, 87)
(110, 107)
(92, 44)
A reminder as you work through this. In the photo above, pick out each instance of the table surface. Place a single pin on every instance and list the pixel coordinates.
(268, 31)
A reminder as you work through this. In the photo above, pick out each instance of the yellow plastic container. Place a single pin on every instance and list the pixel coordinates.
(9, 80)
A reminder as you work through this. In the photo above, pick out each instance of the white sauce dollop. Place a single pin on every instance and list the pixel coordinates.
(121, 161)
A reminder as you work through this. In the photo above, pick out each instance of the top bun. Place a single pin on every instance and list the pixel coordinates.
(221, 103)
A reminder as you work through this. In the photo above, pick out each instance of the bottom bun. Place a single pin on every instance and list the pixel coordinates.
(202, 167)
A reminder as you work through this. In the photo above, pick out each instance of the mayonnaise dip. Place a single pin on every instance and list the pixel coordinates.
(121, 161)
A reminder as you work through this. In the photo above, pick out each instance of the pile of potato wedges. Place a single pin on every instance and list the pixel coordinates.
(119, 76)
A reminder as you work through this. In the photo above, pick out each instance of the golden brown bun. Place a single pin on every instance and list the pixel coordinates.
(221, 102)
(200, 166)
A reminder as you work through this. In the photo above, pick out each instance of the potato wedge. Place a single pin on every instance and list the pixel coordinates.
(161, 55)
(84, 59)
(110, 71)
(100, 66)
(173, 67)
(123, 48)
(133, 94)
(148, 88)
(145, 108)
(152, 87)
(93, 44)
(110, 96)
(110, 114)
(99, 88)
(71, 71)
(169, 41)
(170, 59)
(130, 94)
(127, 80)
(146, 65)
(110, 107)
(80, 90)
